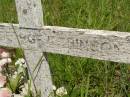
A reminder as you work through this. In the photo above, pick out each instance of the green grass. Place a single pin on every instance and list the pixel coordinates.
(95, 14)
(8, 11)
(81, 76)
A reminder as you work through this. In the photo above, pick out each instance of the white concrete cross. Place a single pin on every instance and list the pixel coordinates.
(35, 38)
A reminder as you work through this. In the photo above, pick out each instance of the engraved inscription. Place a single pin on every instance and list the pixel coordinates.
(29, 3)
(92, 44)
(23, 38)
(128, 38)
(59, 41)
(28, 38)
(116, 47)
(77, 43)
(106, 46)
(31, 39)
(95, 44)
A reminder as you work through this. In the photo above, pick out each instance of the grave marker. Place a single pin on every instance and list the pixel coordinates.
(35, 38)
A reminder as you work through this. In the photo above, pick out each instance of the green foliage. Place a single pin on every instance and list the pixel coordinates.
(19, 53)
(8, 11)
(29, 91)
(14, 83)
(94, 14)
(89, 78)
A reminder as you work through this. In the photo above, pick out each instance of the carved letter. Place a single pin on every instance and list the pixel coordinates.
(106, 46)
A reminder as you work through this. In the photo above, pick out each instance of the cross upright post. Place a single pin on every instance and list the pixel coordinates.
(30, 15)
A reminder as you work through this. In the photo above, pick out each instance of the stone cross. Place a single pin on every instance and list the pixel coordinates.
(35, 38)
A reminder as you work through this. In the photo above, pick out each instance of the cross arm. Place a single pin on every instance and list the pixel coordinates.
(98, 44)
(7, 36)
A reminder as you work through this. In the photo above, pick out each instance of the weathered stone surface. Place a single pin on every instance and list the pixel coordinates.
(30, 13)
(41, 73)
(97, 44)
(7, 36)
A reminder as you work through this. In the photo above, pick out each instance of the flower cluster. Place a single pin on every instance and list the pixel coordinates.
(5, 58)
(60, 91)
(4, 91)
(14, 79)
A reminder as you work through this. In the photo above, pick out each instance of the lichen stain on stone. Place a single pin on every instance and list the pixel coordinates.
(24, 11)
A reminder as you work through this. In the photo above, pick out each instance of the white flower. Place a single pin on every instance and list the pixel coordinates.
(61, 91)
(17, 62)
(21, 62)
(22, 77)
(5, 61)
(20, 69)
(54, 87)
(15, 74)
(9, 60)
(5, 55)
